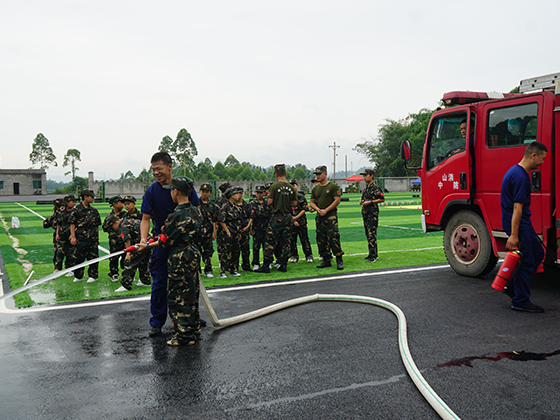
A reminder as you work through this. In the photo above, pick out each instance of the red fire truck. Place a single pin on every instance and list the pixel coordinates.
(469, 147)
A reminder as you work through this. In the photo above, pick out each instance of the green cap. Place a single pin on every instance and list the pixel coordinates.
(115, 199)
(182, 183)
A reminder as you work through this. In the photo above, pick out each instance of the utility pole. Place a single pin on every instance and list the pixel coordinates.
(334, 147)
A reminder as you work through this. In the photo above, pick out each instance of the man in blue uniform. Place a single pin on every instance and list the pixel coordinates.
(516, 221)
(157, 204)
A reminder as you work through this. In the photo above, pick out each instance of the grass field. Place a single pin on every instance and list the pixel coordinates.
(401, 242)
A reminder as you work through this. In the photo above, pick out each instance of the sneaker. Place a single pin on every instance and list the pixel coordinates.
(256, 267)
(270, 266)
(121, 289)
(535, 309)
(69, 274)
(91, 280)
(115, 277)
(76, 279)
(139, 283)
(294, 260)
(339, 263)
(277, 265)
(223, 275)
(372, 259)
(154, 331)
(235, 274)
(209, 274)
(310, 259)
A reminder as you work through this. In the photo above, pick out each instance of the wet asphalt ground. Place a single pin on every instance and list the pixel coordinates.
(322, 360)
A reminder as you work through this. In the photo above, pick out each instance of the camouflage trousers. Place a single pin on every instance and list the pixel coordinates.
(84, 250)
(182, 301)
(230, 251)
(59, 255)
(328, 237)
(115, 244)
(138, 262)
(300, 231)
(207, 248)
(259, 239)
(221, 245)
(278, 237)
(370, 225)
(244, 250)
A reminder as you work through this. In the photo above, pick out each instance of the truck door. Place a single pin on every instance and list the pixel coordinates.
(447, 160)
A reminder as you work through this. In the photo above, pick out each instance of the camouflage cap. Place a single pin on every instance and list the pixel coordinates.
(130, 198)
(238, 189)
(260, 188)
(223, 188)
(115, 199)
(206, 187)
(87, 192)
(58, 202)
(320, 169)
(294, 182)
(368, 172)
(70, 197)
(182, 183)
(230, 192)
(267, 185)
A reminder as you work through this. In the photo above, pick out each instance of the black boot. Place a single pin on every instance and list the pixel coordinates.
(339, 265)
(265, 268)
(325, 263)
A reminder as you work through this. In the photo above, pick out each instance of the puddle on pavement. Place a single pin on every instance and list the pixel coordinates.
(520, 356)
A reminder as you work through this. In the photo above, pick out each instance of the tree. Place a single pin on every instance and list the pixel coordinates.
(220, 171)
(299, 173)
(129, 176)
(231, 162)
(384, 151)
(182, 150)
(70, 158)
(145, 176)
(42, 153)
(166, 145)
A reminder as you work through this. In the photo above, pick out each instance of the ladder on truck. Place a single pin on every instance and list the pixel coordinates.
(548, 82)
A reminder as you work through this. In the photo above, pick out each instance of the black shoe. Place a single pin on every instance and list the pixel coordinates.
(325, 263)
(372, 259)
(509, 291)
(339, 265)
(368, 257)
(283, 268)
(154, 331)
(247, 268)
(202, 323)
(535, 309)
(263, 269)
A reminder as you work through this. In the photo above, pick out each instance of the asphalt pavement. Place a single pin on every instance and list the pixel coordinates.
(322, 360)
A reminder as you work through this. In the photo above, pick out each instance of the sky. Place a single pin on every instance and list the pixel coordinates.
(269, 82)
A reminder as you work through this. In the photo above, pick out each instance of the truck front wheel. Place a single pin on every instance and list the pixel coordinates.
(467, 245)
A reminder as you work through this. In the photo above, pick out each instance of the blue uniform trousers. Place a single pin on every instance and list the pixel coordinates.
(158, 300)
(532, 250)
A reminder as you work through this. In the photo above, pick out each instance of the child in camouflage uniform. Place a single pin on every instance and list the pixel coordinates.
(299, 227)
(63, 234)
(130, 206)
(371, 197)
(84, 222)
(244, 242)
(229, 218)
(115, 241)
(51, 222)
(209, 210)
(260, 215)
(182, 232)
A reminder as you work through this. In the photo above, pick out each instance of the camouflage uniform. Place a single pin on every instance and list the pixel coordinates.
(300, 230)
(209, 213)
(183, 231)
(51, 222)
(115, 241)
(260, 213)
(230, 215)
(328, 237)
(244, 242)
(221, 244)
(63, 243)
(87, 222)
(370, 214)
(129, 230)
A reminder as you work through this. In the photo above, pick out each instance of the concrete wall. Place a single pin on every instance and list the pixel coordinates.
(12, 180)
(400, 184)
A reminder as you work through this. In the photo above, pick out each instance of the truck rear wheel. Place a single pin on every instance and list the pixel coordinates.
(467, 245)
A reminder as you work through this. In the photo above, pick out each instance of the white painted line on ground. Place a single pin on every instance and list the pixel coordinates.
(4, 309)
(106, 251)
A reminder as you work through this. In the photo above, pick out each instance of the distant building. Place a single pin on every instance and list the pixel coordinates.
(23, 182)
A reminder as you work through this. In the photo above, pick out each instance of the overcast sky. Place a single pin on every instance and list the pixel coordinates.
(269, 82)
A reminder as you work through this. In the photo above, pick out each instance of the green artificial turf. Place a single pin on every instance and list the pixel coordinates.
(401, 242)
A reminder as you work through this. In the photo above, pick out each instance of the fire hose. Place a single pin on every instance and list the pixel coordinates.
(421, 384)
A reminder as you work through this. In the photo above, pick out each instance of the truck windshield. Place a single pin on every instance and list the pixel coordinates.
(447, 137)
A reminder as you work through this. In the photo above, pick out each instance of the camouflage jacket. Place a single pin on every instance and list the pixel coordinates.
(372, 192)
(246, 212)
(260, 213)
(301, 205)
(108, 227)
(63, 223)
(230, 214)
(130, 230)
(183, 233)
(87, 221)
(137, 215)
(209, 212)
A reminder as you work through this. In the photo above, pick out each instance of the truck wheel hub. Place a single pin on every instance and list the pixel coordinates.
(465, 243)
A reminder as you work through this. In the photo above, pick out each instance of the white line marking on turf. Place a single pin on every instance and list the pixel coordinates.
(106, 251)
(4, 309)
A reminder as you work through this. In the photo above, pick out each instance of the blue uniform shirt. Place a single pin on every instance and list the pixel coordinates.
(157, 202)
(516, 188)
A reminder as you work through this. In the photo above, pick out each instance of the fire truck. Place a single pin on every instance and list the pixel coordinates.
(469, 147)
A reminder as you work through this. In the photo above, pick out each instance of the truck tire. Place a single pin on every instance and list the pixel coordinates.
(467, 245)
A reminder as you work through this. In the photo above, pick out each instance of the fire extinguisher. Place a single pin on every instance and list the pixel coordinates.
(506, 270)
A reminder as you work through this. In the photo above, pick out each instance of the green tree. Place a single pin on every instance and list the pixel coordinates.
(384, 151)
(42, 153)
(129, 176)
(245, 175)
(182, 150)
(299, 173)
(166, 145)
(259, 175)
(70, 158)
(231, 162)
(220, 171)
(145, 176)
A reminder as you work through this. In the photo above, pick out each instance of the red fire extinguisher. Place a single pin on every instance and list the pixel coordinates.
(506, 270)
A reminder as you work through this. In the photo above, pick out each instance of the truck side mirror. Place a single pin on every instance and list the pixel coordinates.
(405, 150)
